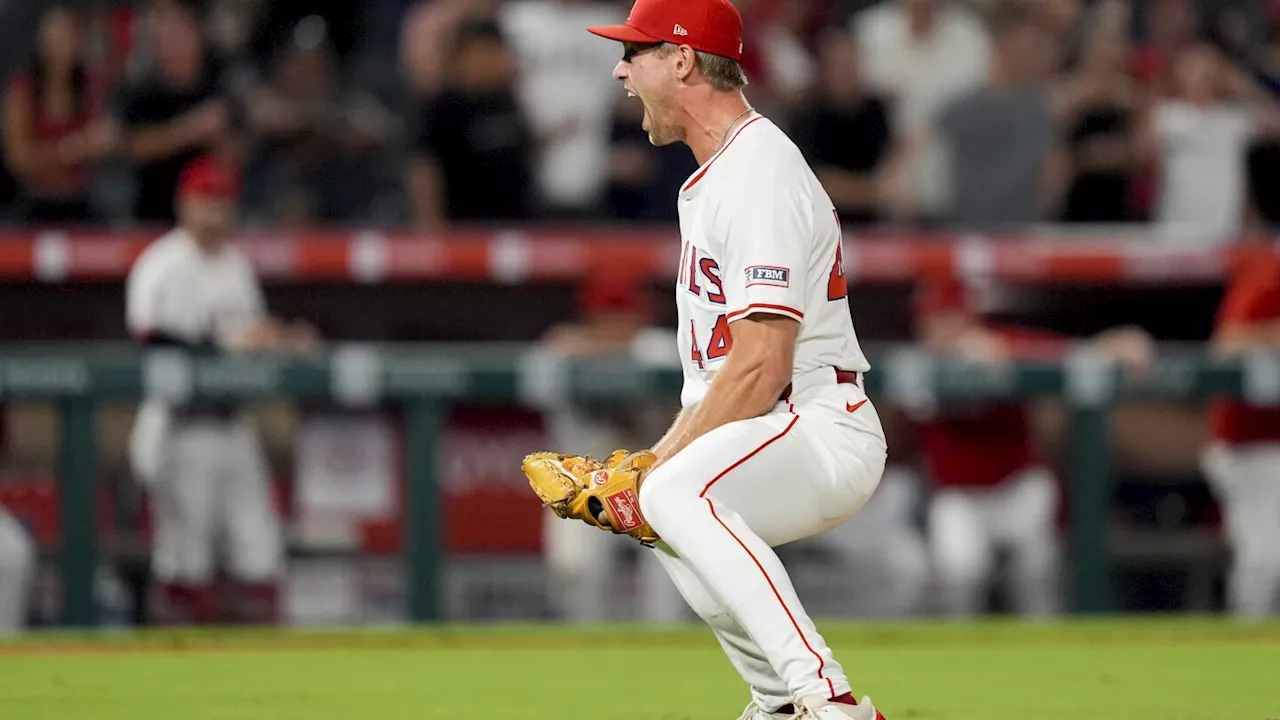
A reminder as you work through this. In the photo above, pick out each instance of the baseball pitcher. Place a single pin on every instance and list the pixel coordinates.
(201, 461)
(776, 440)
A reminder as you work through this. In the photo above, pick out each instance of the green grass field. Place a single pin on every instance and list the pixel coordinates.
(1095, 670)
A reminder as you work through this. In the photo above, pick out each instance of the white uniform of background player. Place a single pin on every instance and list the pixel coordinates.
(204, 465)
(17, 568)
(614, 323)
(776, 440)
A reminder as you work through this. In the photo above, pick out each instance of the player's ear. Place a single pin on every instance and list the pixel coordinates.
(686, 61)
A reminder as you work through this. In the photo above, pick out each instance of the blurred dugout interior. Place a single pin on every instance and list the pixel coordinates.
(1164, 523)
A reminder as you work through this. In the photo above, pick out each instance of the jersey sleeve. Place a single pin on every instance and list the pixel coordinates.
(764, 228)
(144, 290)
(1253, 300)
(256, 302)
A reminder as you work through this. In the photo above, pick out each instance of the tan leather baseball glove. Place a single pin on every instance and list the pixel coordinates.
(579, 487)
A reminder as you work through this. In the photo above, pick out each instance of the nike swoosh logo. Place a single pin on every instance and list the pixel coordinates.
(854, 408)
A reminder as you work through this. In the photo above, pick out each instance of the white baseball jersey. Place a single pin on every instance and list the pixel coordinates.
(760, 235)
(179, 290)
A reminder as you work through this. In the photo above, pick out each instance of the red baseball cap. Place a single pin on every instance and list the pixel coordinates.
(712, 26)
(942, 294)
(606, 294)
(207, 176)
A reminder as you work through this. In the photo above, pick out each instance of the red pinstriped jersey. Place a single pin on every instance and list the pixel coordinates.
(760, 235)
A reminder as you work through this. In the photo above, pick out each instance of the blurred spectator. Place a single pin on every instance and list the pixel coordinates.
(1007, 166)
(318, 142)
(54, 125)
(643, 178)
(1200, 138)
(1242, 460)
(919, 54)
(615, 321)
(1064, 30)
(992, 488)
(844, 133)
(426, 36)
(567, 91)
(779, 65)
(177, 112)
(1169, 26)
(1100, 132)
(474, 151)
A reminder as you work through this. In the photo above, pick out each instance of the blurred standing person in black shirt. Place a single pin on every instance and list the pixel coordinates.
(175, 114)
(643, 178)
(473, 148)
(845, 133)
(1099, 108)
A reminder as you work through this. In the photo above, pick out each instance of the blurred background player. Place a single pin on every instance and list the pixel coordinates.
(1242, 461)
(883, 556)
(17, 568)
(615, 320)
(202, 461)
(992, 489)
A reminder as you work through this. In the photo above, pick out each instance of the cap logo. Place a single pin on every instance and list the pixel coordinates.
(679, 30)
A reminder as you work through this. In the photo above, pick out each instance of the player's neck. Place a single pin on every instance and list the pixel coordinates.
(713, 122)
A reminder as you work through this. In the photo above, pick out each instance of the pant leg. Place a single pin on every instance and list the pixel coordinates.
(183, 504)
(733, 494)
(17, 568)
(1024, 518)
(1247, 484)
(582, 564)
(960, 547)
(767, 689)
(250, 520)
(660, 600)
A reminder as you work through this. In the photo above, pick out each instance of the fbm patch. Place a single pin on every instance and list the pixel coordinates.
(768, 275)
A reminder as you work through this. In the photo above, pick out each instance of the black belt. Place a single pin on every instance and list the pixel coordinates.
(843, 377)
(207, 411)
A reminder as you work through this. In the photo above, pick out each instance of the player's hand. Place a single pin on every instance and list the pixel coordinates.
(300, 336)
(1132, 347)
(982, 346)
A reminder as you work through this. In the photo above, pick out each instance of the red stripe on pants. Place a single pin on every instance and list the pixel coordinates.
(751, 555)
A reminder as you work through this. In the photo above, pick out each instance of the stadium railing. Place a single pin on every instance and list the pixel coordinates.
(426, 380)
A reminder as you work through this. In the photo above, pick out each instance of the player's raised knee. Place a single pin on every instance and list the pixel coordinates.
(663, 498)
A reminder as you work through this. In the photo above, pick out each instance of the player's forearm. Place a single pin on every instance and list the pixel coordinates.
(737, 393)
(1242, 338)
(663, 448)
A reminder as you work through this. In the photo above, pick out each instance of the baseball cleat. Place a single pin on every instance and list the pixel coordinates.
(823, 709)
(754, 712)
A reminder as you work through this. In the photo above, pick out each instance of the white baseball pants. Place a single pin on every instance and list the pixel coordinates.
(721, 505)
(17, 568)
(213, 502)
(967, 525)
(1246, 481)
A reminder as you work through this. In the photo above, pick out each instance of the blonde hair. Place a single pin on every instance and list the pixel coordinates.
(721, 72)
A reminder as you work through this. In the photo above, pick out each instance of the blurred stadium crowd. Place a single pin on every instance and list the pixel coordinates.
(1153, 120)
(918, 113)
